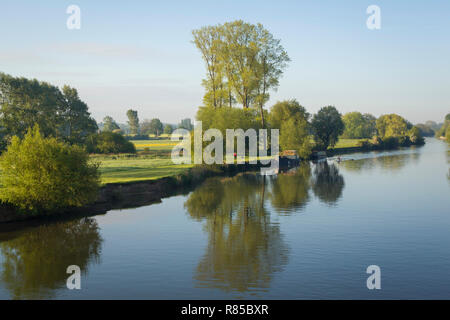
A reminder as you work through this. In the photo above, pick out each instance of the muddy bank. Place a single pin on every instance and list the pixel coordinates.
(132, 194)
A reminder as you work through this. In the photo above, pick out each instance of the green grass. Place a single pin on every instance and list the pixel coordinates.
(347, 143)
(115, 169)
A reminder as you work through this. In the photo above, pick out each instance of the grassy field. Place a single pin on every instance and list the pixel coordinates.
(347, 143)
(116, 169)
(152, 162)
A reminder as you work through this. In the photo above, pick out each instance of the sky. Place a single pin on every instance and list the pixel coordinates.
(139, 55)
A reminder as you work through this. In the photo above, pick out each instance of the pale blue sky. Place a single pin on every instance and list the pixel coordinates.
(137, 54)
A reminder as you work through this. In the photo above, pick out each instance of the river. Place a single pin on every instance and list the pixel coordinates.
(307, 233)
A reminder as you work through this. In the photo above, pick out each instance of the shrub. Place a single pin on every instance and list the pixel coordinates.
(294, 135)
(43, 174)
(390, 142)
(376, 142)
(365, 144)
(447, 134)
(109, 142)
(415, 136)
(404, 141)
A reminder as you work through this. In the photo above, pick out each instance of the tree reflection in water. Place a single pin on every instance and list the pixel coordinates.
(390, 162)
(245, 248)
(290, 191)
(327, 183)
(34, 262)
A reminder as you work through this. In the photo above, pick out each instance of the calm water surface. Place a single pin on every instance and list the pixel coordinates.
(308, 233)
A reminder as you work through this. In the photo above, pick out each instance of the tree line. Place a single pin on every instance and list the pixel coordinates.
(301, 131)
(137, 129)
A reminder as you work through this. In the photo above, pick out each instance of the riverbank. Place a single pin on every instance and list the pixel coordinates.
(135, 193)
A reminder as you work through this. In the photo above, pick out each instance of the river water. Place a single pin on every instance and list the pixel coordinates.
(307, 233)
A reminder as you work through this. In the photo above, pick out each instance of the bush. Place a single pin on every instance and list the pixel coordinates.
(415, 136)
(294, 136)
(404, 141)
(390, 142)
(447, 134)
(109, 142)
(364, 144)
(43, 174)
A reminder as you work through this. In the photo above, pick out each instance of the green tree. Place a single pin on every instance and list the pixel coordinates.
(208, 42)
(25, 103)
(442, 131)
(425, 130)
(43, 174)
(358, 125)
(77, 123)
(392, 125)
(284, 110)
(294, 135)
(133, 121)
(109, 142)
(292, 120)
(186, 124)
(327, 126)
(415, 137)
(227, 118)
(156, 127)
(243, 61)
(168, 129)
(109, 124)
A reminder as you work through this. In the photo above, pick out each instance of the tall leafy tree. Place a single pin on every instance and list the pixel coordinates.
(392, 125)
(272, 60)
(243, 61)
(327, 126)
(358, 125)
(25, 103)
(133, 121)
(109, 124)
(284, 110)
(443, 129)
(78, 123)
(292, 120)
(208, 41)
(186, 124)
(168, 129)
(154, 126)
